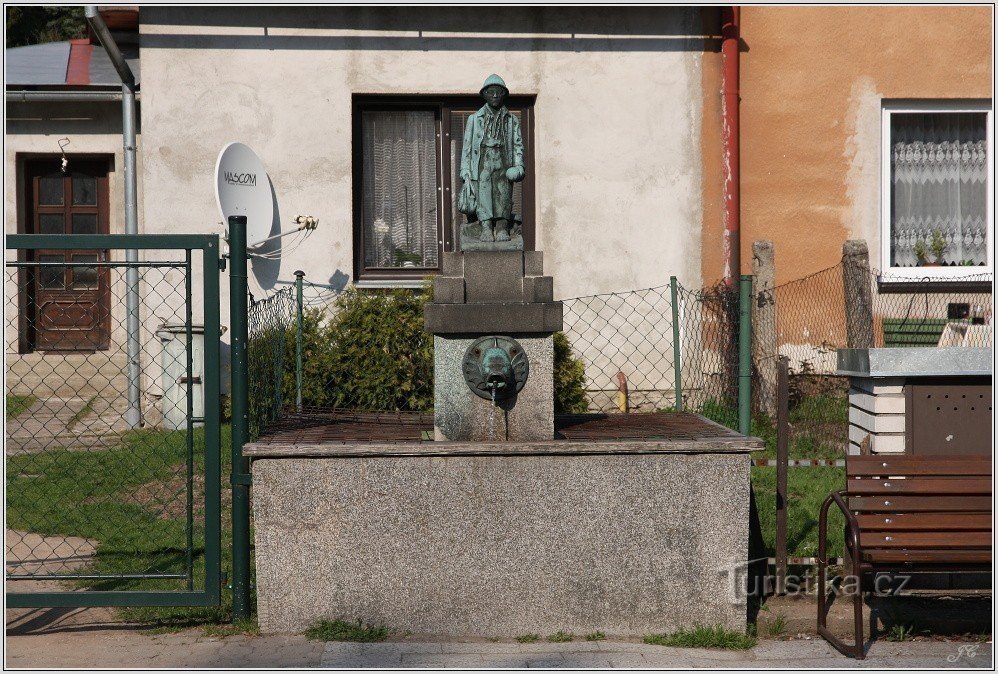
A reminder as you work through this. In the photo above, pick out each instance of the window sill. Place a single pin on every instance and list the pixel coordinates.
(936, 280)
(390, 283)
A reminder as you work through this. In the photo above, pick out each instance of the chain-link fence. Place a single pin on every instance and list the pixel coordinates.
(849, 305)
(653, 349)
(625, 343)
(315, 349)
(271, 350)
(657, 349)
(103, 493)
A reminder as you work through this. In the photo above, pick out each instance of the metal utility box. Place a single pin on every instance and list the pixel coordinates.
(175, 379)
(948, 416)
(928, 401)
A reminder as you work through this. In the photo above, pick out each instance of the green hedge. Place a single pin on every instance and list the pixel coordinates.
(370, 353)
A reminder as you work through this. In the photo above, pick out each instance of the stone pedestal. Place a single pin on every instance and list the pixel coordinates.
(484, 293)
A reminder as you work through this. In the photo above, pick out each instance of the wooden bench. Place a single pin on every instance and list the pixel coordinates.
(904, 515)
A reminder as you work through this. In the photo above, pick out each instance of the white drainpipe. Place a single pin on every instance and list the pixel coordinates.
(133, 415)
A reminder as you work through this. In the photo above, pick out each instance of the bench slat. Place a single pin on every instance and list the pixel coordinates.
(929, 521)
(924, 539)
(928, 556)
(921, 485)
(918, 465)
(918, 504)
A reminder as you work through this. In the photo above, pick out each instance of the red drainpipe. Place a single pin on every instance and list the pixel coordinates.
(730, 28)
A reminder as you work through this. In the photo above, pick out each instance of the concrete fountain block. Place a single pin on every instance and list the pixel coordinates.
(497, 546)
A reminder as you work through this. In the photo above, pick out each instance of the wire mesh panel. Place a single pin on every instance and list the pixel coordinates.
(625, 343)
(112, 473)
(270, 355)
(815, 316)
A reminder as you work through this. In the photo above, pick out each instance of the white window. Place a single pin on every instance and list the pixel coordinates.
(937, 208)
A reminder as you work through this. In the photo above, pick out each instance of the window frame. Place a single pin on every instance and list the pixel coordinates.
(889, 274)
(442, 106)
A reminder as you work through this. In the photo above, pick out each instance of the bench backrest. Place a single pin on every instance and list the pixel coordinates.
(922, 508)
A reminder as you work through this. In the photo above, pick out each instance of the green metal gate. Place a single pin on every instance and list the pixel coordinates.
(112, 420)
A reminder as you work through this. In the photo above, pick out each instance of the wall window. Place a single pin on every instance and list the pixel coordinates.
(407, 155)
(938, 217)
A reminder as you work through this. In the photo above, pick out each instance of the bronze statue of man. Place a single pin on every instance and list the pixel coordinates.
(491, 161)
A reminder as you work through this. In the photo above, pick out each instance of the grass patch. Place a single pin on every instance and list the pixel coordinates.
(807, 488)
(704, 637)
(16, 404)
(819, 427)
(86, 411)
(777, 627)
(340, 630)
(560, 637)
(900, 632)
(528, 638)
(825, 407)
(595, 636)
(119, 497)
(249, 627)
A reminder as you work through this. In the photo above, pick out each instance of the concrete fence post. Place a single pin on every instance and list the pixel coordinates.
(764, 341)
(858, 297)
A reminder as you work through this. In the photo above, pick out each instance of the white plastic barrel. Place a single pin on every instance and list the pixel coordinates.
(174, 379)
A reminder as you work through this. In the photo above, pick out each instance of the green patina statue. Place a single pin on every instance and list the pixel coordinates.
(491, 161)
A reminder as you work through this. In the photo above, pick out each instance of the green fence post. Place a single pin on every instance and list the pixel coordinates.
(240, 418)
(677, 348)
(299, 276)
(745, 355)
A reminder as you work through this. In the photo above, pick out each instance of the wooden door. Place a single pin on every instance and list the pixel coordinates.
(68, 300)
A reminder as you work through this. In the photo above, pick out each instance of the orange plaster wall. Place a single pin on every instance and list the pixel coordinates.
(811, 83)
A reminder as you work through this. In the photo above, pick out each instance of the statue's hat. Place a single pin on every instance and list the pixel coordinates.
(493, 79)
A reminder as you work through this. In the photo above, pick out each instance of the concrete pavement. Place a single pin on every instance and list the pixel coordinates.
(124, 646)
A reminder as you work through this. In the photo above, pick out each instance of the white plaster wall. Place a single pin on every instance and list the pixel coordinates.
(616, 145)
(93, 128)
(617, 137)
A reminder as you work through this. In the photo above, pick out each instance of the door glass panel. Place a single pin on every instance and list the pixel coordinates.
(84, 223)
(52, 277)
(84, 278)
(50, 190)
(51, 223)
(84, 190)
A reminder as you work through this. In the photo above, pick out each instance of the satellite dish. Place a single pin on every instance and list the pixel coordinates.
(243, 188)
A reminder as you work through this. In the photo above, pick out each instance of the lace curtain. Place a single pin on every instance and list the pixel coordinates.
(399, 189)
(939, 184)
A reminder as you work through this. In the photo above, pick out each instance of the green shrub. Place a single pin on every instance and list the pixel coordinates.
(370, 352)
(569, 379)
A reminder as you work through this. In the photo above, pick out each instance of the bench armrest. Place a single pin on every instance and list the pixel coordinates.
(837, 497)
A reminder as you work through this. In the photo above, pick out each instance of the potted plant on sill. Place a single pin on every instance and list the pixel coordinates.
(937, 246)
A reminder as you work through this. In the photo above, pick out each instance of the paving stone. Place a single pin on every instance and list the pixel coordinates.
(441, 660)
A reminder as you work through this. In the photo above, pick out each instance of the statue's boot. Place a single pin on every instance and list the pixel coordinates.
(487, 232)
(502, 230)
